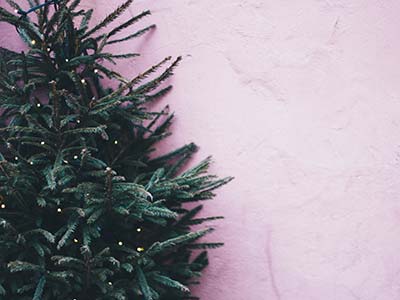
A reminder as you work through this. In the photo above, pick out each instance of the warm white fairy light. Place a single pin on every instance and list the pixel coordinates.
(75, 156)
(140, 249)
(16, 158)
(59, 210)
(120, 243)
(138, 229)
(38, 105)
(65, 161)
(96, 71)
(109, 283)
(31, 162)
(42, 143)
(48, 49)
(76, 241)
(66, 60)
(3, 206)
(16, 11)
(78, 121)
(116, 142)
(83, 81)
(33, 42)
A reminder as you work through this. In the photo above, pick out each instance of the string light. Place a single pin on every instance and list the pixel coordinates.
(109, 283)
(16, 158)
(33, 42)
(76, 241)
(48, 49)
(66, 60)
(96, 71)
(16, 11)
(31, 162)
(78, 121)
(59, 210)
(38, 105)
(140, 249)
(3, 206)
(83, 81)
(65, 161)
(120, 243)
(42, 143)
(75, 156)
(138, 229)
(116, 142)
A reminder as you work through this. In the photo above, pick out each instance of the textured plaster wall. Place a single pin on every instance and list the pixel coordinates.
(300, 100)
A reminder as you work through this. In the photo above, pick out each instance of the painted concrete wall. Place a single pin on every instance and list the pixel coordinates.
(300, 101)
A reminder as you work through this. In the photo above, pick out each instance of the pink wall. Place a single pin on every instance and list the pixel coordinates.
(300, 100)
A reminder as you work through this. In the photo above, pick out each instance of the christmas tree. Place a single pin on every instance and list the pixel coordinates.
(87, 210)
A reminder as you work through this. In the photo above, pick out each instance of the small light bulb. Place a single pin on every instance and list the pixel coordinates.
(109, 283)
(31, 162)
(65, 161)
(16, 158)
(83, 80)
(33, 42)
(140, 249)
(75, 156)
(120, 243)
(48, 49)
(96, 71)
(66, 60)
(116, 142)
(78, 121)
(3, 205)
(138, 229)
(42, 143)
(87, 195)
(93, 98)
(59, 210)
(76, 241)
(16, 11)
(38, 105)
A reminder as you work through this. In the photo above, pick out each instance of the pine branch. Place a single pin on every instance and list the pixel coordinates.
(128, 23)
(132, 36)
(134, 81)
(110, 18)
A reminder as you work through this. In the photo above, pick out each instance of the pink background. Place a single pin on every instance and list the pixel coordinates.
(300, 101)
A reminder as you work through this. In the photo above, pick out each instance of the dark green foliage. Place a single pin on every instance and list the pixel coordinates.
(86, 211)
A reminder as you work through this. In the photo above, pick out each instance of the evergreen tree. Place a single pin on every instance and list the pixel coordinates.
(87, 212)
